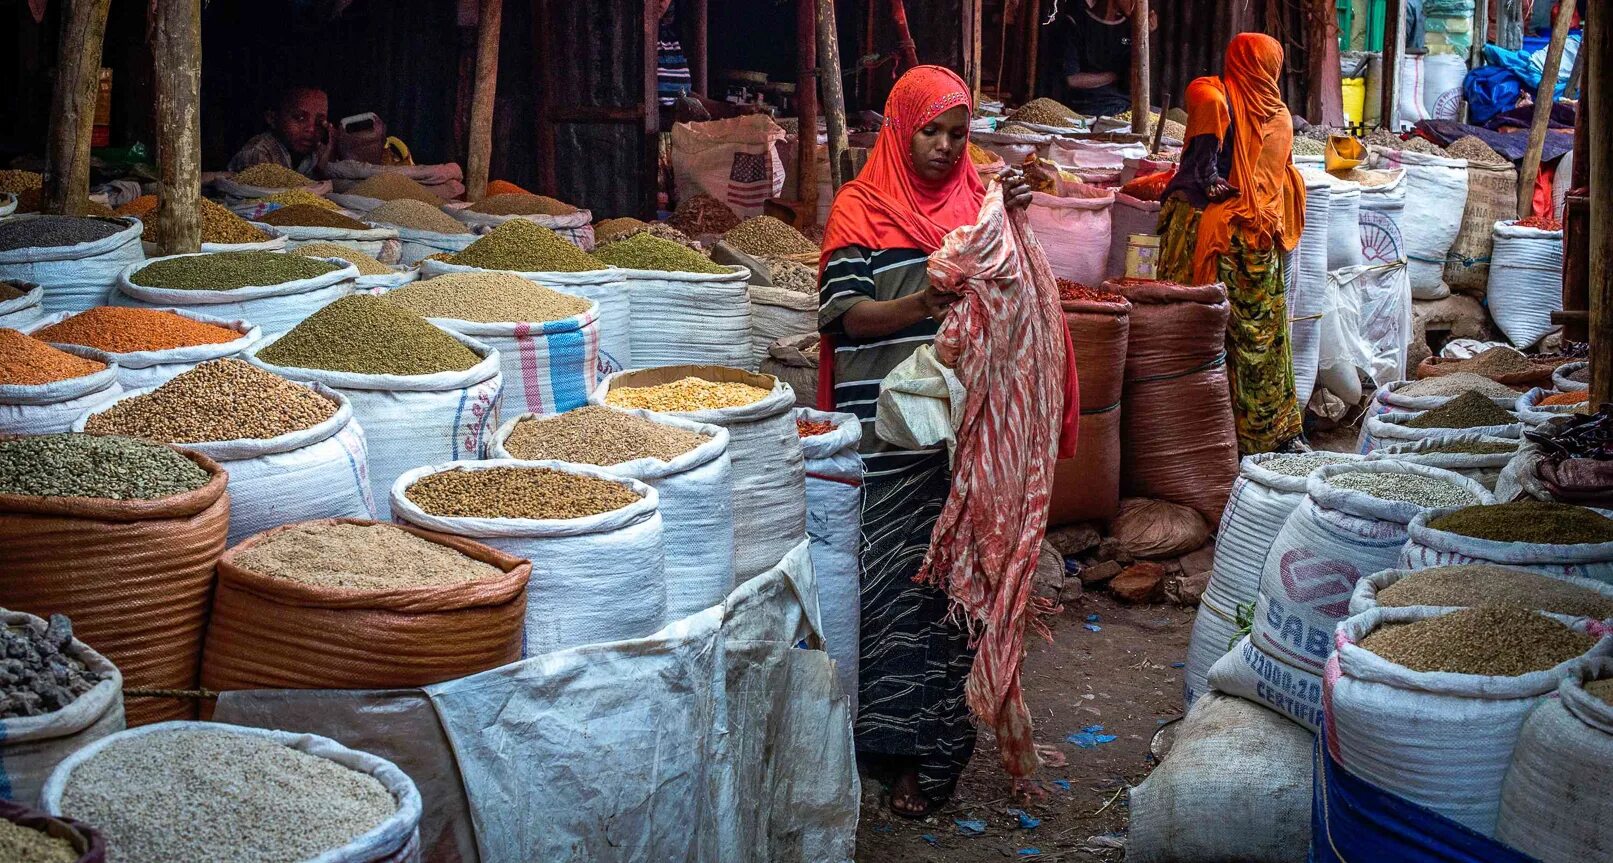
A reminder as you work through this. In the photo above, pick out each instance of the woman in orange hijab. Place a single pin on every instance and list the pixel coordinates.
(1231, 212)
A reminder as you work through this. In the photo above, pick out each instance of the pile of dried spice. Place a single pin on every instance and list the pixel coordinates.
(1499, 360)
(1455, 384)
(1532, 521)
(393, 187)
(26, 361)
(517, 492)
(360, 557)
(486, 298)
(1045, 112)
(524, 247)
(120, 330)
(219, 225)
(1468, 410)
(310, 216)
(1470, 585)
(20, 844)
(1473, 149)
(1071, 291)
(765, 235)
(367, 335)
(1495, 642)
(1540, 223)
(89, 465)
(686, 394)
(268, 175)
(228, 271)
(416, 216)
(646, 252)
(813, 428)
(50, 231)
(1565, 399)
(979, 155)
(367, 266)
(218, 400)
(703, 214)
(600, 436)
(504, 187)
(293, 197)
(522, 204)
(615, 229)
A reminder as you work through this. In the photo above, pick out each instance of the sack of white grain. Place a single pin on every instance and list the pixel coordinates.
(1475, 456)
(834, 475)
(29, 409)
(1553, 802)
(1436, 192)
(1343, 220)
(75, 274)
(1307, 298)
(140, 369)
(1556, 538)
(1526, 281)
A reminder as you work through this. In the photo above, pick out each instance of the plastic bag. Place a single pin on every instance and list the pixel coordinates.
(921, 403)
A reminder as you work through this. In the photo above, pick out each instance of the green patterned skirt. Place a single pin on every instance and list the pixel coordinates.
(1178, 237)
(1260, 361)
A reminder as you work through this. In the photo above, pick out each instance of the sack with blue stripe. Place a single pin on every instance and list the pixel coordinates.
(548, 367)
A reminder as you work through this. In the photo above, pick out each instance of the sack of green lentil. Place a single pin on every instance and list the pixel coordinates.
(1428, 703)
(70, 840)
(1270, 486)
(60, 696)
(1469, 585)
(690, 318)
(27, 409)
(20, 304)
(1476, 456)
(605, 287)
(604, 571)
(1554, 805)
(276, 306)
(140, 369)
(1397, 429)
(1555, 538)
(577, 228)
(1532, 413)
(153, 549)
(769, 475)
(688, 465)
(207, 791)
(378, 241)
(357, 604)
(834, 476)
(76, 260)
(1562, 379)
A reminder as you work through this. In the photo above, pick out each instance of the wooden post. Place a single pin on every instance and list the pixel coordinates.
(1597, 48)
(1545, 97)
(1394, 11)
(78, 81)
(1033, 35)
(1481, 33)
(479, 159)
(1140, 101)
(834, 94)
(177, 52)
(904, 36)
(699, 53)
(1325, 94)
(806, 101)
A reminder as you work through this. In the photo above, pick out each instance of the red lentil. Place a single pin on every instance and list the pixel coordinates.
(1071, 291)
(1540, 223)
(30, 362)
(1565, 399)
(118, 330)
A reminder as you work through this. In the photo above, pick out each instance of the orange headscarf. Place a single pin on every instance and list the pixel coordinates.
(1270, 205)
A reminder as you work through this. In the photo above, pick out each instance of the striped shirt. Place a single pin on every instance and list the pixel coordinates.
(856, 274)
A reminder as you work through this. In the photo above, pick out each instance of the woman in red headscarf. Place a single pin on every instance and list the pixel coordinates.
(1233, 209)
(876, 307)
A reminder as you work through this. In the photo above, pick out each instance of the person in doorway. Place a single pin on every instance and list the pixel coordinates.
(1097, 56)
(876, 307)
(299, 136)
(1235, 206)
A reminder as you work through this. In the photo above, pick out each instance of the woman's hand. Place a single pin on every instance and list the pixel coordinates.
(936, 302)
(1220, 190)
(1016, 188)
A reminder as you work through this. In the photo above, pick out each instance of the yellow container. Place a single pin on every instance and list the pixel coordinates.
(1355, 99)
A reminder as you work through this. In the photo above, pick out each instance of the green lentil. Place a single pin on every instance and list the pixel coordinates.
(1471, 448)
(1302, 464)
(524, 247)
(228, 271)
(19, 844)
(416, 216)
(486, 298)
(310, 216)
(645, 252)
(1404, 487)
(367, 266)
(50, 231)
(1473, 585)
(1495, 642)
(1534, 521)
(1468, 410)
(103, 466)
(1602, 689)
(367, 335)
(218, 400)
(517, 492)
(600, 436)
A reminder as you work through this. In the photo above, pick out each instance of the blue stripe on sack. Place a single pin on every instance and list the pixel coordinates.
(5, 777)
(459, 413)
(568, 379)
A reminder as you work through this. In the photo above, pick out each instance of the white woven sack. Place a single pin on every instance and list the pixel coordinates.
(50, 408)
(1334, 538)
(382, 284)
(1215, 631)
(1074, 230)
(1235, 786)
(777, 313)
(414, 246)
(1409, 107)
(1012, 149)
(1526, 281)
(378, 241)
(32, 746)
(1389, 399)
(1382, 209)
(1435, 196)
(1532, 413)
(1485, 468)
(1343, 219)
(413, 420)
(1250, 673)
(605, 287)
(8, 204)
(240, 196)
(1560, 378)
(1442, 85)
(1130, 216)
(275, 308)
(1308, 299)
(697, 511)
(707, 157)
(689, 318)
(275, 243)
(395, 840)
(1438, 739)
(79, 276)
(602, 577)
(834, 476)
(1365, 597)
(319, 472)
(769, 474)
(141, 369)
(1390, 429)
(577, 228)
(1427, 547)
(17, 313)
(1091, 154)
(548, 367)
(1554, 801)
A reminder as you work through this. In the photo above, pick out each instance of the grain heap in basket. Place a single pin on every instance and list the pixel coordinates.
(1475, 585)
(1467, 641)
(359, 557)
(521, 246)
(102, 466)
(517, 492)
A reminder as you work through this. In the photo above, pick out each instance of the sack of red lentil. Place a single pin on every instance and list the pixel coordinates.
(274, 629)
(1476, 456)
(1390, 429)
(276, 308)
(1555, 538)
(577, 228)
(1473, 585)
(690, 318)
(603, 575)
(32, 745)
(1532, 413)
(23, 309)
(1562, 379)
(142, 369)
(696, 489)
(28, 409)
(1553, 805)
(769, 475)
(834, 476)
(1443, 739)
(1526, 281)
(605, 287)
(77, 275)
(1074, 229)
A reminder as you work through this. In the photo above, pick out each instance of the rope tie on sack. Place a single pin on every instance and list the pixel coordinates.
(193, 694)
(1220, 360)
(1103, 410)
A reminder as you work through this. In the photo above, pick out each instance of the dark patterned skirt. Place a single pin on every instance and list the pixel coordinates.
(915, 661)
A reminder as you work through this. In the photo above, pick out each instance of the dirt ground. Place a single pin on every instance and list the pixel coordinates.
(1122, 677)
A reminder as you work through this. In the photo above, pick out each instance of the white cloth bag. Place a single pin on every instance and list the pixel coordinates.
(275, 243)
(142, 369)
(380, 242)
(689, 318)
(1389, 398)
(1526, 281)
(921, 403)
(1383, 294)
(319, 472)
(601, 577)
(32, 409)
(1435, 196)
(17, 313)
(735, 161)
(548, 367)
(1308, 295)
(1343, 219)
(1485, 468)
(1560, 378)
(1426, 547)
(415, 245)
(1390, 430)
(1554, 801)
(697, 511)
(1367, 589)
(834, 476)
(1382, 210)
(275, 308)
(413, 420)
(1074, 230)
(79, 276)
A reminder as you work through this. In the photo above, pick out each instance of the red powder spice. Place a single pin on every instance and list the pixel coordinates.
(31, 362)
(120, 330)
(1540, 223)
(1566, 399)
(1070, 291)
(813, 428)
